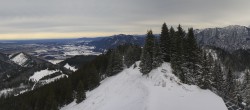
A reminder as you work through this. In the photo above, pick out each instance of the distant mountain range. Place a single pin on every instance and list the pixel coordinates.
(102, 44)
(229, 38)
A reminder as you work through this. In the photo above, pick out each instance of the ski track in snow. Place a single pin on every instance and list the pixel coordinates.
(161, 90)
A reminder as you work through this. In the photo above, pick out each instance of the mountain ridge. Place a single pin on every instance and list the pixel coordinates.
(230, 38)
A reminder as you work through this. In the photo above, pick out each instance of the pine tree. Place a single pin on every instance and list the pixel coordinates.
(165, 43)
(179, 57)
(172, 37)
(147, 53)
(115, 64)
(146, 63)
(219, 81)
(246, 82)
(230, 85)
(157, 55)
(193, 57)
(68, 91)
(211, 69)
(80, 93)
(173, 55)
(132, 55)
(50, 103)
(205, 77)
(93, 77)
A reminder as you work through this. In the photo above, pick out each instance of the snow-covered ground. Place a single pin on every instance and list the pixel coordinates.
(40, 74)
(47, 81)
(55, 61)
(161, 90)
(72, 50)
(5, 91)
(70, 67)
(20, 59)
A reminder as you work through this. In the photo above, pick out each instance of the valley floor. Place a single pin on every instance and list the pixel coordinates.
(161, 90)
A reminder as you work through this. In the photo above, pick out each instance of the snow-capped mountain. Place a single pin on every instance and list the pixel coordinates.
(230, 38)
(161, 90)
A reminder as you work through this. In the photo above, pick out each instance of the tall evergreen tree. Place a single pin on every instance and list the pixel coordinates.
(115, 64)
(205, 77)
(230, 81)
(193, 57)
(179, 58)
(93, 76)
(246, 82)
(211, 69)
(219, 81)
(157, 55)
(172, 37)
(147, 53)
(50, 103)
(80, 93)
(68, 90)
(173, 49)
(165, 43)
(132, 55)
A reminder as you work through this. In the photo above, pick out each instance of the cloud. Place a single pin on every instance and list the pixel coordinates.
(117, 16)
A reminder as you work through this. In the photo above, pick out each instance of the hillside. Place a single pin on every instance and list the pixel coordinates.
(230, 38)
(22, 72)
(161, 90)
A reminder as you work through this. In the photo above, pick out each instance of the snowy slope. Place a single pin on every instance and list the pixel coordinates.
(129, 90)
(40, 74)
(20, 59)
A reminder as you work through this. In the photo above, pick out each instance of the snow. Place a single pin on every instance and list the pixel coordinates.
(5, 91)
(21, 92)
(55, 61)
(161, 90)
(213, 54)
(40, 51)
(20, 59)
(72, 50)
(40, 74)
(70, 67)
(47, 81)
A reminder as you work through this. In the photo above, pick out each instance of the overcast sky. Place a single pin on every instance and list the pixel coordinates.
(25, 19)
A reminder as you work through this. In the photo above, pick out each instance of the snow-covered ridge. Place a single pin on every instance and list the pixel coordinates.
(161, 90)
(20, 59)
(40, 74)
